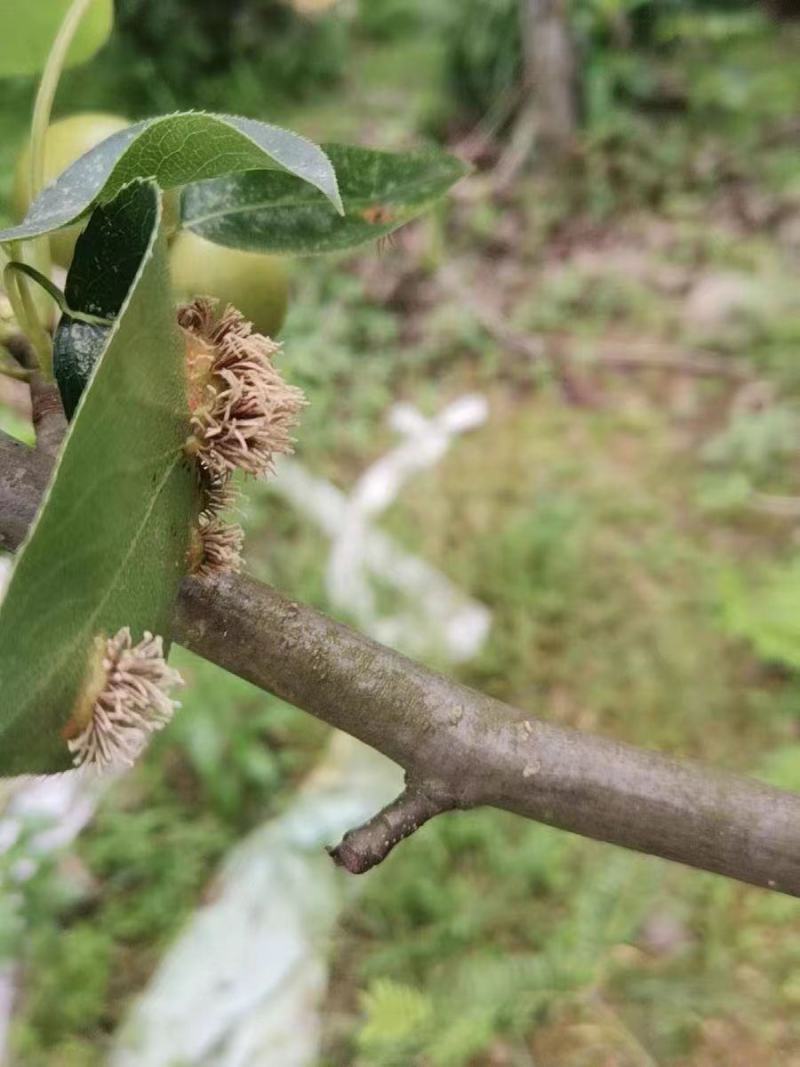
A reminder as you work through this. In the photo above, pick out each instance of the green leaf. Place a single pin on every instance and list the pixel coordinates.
(396, 1014)
(77, 347)
(108, 547)
(266, 211)
(27, 31)
(764, 611)
(173, 150)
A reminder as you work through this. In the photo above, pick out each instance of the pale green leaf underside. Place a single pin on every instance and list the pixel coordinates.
(108, 547)
(269, 211)
(27, 30)
(173, 150)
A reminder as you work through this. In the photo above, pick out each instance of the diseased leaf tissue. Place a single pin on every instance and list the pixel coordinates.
(165, 405)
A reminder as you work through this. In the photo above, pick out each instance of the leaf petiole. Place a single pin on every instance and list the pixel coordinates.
(19, 374)
(57, 296)
(48, 85)
(19, 292)
(28, 320)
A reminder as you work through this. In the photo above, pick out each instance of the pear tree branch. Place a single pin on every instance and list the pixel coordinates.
(459, 748)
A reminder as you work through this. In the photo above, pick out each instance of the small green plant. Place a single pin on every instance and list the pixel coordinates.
(764, 612)
(164, 407)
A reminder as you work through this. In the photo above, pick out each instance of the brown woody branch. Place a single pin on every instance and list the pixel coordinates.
(461, 749)
(47, 411)
(368, 845)
(49, 420)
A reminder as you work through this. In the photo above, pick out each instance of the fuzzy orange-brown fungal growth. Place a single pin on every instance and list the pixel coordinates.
(242, 411)
(216, 547)
(125, 699)
(218, 494)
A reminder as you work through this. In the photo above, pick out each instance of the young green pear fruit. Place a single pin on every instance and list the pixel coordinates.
(257, 285)
(65, 141)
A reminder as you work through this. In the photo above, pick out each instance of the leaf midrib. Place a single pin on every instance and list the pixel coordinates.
(118, 176)
(294, 202)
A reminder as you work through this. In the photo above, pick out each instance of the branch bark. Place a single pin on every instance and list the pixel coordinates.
(49, 420)
(461, 749)
(368, 845)
(47, 411)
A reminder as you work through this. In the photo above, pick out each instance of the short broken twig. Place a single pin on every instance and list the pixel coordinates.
(368, 845)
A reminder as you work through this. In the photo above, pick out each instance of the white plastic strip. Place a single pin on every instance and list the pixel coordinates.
(436, 613)
(244, 984)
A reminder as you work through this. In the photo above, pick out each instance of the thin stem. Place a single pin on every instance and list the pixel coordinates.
(21, 298)
(31, 316)
(8, 370)
(10, 283)
(47, 411)
(51, 74)
(56, 295)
